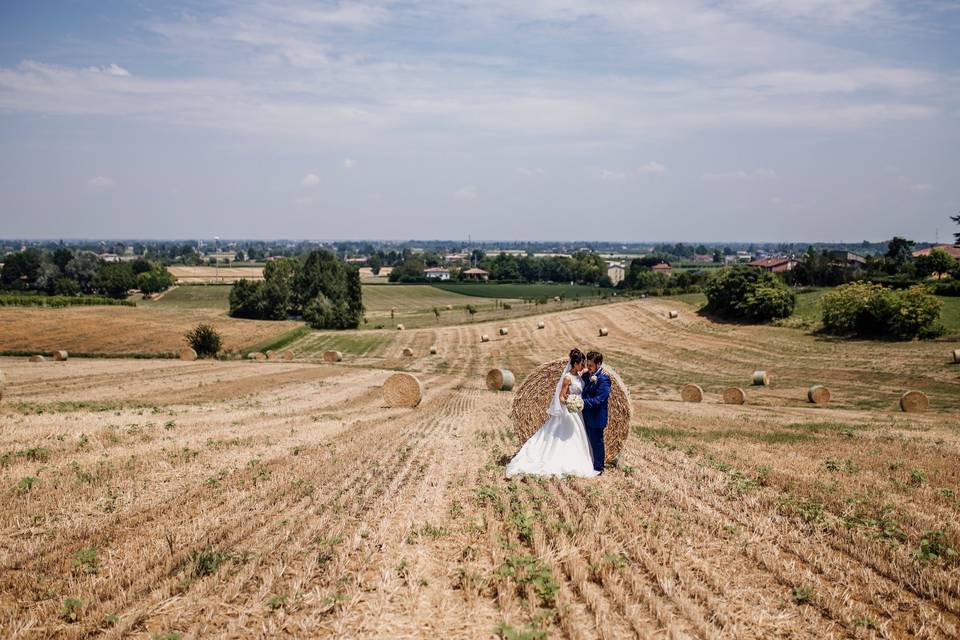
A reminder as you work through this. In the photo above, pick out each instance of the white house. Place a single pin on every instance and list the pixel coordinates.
(437, 273)
(616, 272)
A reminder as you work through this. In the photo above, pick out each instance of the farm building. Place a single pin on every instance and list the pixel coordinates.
(847, 258)
(476, 274)
(437, 273)
(774, 265)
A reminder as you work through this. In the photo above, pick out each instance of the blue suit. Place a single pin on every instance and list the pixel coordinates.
(595, 413)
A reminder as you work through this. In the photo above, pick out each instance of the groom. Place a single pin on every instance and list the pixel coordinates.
(596, 390)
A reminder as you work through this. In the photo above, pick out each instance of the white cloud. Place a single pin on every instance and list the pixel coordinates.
(742, 174)
(101, 183)
(530, 172)
(310, 180)
(651, 167)
(922, 187)
(112, 70)
(348, 163)
(467, 192)
(609, 174)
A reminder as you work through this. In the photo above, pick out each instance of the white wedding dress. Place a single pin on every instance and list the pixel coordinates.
(560, 447)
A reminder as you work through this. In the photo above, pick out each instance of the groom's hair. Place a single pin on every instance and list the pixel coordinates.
(595, 357)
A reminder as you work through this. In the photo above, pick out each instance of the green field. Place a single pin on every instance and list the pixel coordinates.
(523, 291)
(405, 297)
(213, 296)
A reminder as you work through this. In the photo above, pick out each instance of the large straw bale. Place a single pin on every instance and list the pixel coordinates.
(504, 331)
(956, 356)
(187, 353)
(760, 379)
(402, 390)
(818, 394)
(604, 332)
(534, 395)
(484, 338)
(500, 380)
(914, 402)
(734, 395)
(673, 314)
(60, 356)
(691, 393)
(408, 352)
(37, 358)
(286, 354)
(540, 324)
(332, 356)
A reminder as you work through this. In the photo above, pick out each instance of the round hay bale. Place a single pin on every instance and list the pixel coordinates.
(504, 331)
(673, 314)
(556, 298)
(271, 354)
(818, 394)
(734, 395)
(402, 390)
(332, 356)
(407, 351)
(532, 398)
(37, 358)
(914, 402)
(484, 338)
(604, 332)
(449, 307)
(60, 356)
(691, 393)
(188, 354)
(257, 355)
(500, 380)
(540, 324)
(286, 354)
(760, 379)
(433, 351)
(400, 327)
(956, 356)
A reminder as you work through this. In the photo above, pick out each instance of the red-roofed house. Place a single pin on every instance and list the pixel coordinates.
(950, 249)
(475, 274)
(663, 267)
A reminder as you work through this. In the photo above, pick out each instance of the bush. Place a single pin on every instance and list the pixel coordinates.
(154, 280)
(873, 311)
(748, 293)
(205, 340)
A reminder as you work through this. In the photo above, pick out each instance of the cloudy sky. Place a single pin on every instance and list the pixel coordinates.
(682, 120)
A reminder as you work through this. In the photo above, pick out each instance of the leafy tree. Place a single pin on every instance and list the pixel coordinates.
(936, 262)
(61, 256)
(114, 279)
(899, 251)
(205, 340)
(155, 280)
(83, 268)
(20, 269)
(410, 270)
(874, 311)
(748, 293)
(140, 265)
(376, 263)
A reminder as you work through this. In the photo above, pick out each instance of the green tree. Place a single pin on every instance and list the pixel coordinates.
(114, 279)
(899, 251)
(375, 263)
(936, 262)
(748, 293)
(83, 268)
(20, 269)
(155, 280)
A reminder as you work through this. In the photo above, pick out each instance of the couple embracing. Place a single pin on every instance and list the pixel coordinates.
(570, 442)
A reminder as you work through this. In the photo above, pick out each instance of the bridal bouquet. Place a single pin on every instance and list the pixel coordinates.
(574, 404)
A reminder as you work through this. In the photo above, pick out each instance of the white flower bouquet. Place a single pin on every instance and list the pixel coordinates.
(574, 404)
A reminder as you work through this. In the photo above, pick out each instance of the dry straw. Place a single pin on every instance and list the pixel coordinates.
(494, 353)
(188, 354)
(407, 351)
(332, 356)
(37, 358)
(734, 395)
(540, 325)
(402, 390)
(818, 394)
(691, 393)
(484, 338)
(914, 402)
(500, 380)
(534, 395)
(504, 331)
(60, 356)
(604, 332)
(673, 314)
(760, 379)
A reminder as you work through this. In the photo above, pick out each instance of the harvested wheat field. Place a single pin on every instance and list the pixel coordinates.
(128, 330)
(284, 499)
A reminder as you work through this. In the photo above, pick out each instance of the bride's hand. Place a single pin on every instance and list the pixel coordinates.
(563, 398)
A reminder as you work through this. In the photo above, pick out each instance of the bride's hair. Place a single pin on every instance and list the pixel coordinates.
(576, 357)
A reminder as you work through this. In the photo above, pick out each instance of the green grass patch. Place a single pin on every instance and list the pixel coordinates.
(523, 291)
(279, 342)
(353, 343)
(210, 296)
(769, 437)
(39, 300)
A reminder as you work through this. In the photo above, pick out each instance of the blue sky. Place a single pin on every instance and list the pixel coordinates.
(760, 120)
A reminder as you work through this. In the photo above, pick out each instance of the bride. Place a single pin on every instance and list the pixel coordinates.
(560, 447)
